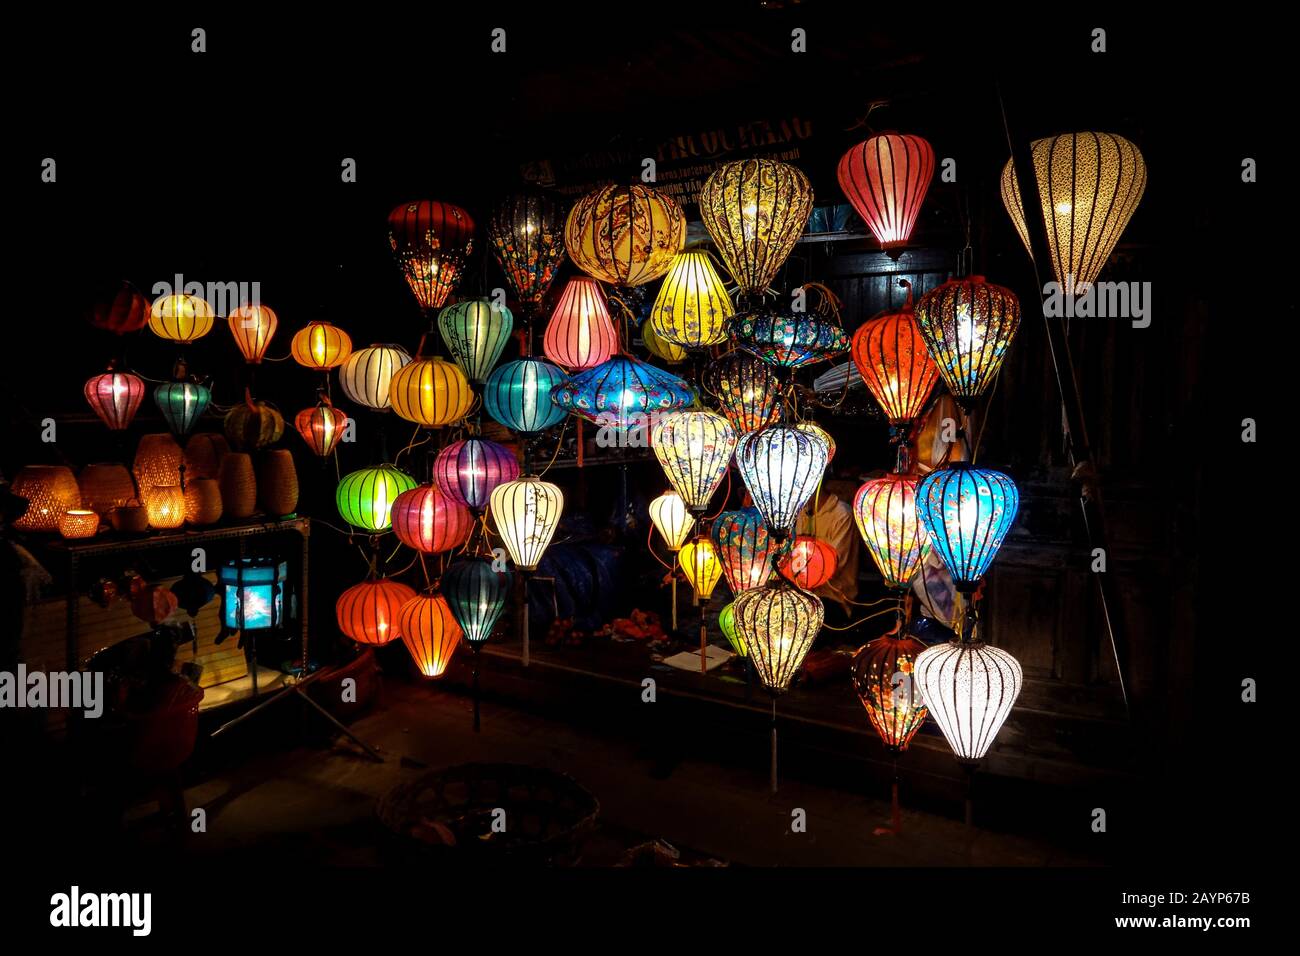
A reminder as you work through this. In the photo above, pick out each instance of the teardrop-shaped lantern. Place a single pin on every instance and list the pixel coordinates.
(180, 318)
(782, 467)
(694, 449)
(884, 678)
(367, 374)
(527, 236)
(622, 393)
(321, 427)
(430, 632)
(810, 562)
(778, 625)
(892, 357)
(692, 307)
(968, 512)
(518, 395)
(968, 325)
(701, 566)
(789, 339)
(527, 512)
(1089, 186)
(365, 497)
(252, 327)
(115, 397)
(476, 595)
(320, 346)
(886, 179)
(727, 625)
(755, 211)
(431, 392)
(969, 688)
(431, 241)
(181, 404)
(812, 428)
(671, 519)
(624, 235)
(476, 333)
(884, 510)
(466, 471)
(744, 548)
(580, 333)
(746, 390)
(429, 521)
(367, 612)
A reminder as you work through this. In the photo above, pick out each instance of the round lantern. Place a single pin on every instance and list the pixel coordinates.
(884, 678)
(778, 626)
(527, 236)
(694, 449)
(969, 688)
(431, 241)
(119, 308)
(518, 395)
(253, 424)
(367, 374)
(968, 325)
(476, 332)
(1089, 186)
(788, 339)
(115, 397)
(968, 512)
(527, 512)
(580, 333)
(692, 307)
(744, 547)
(158, 461)
(892, 357)
(427, 520)
(78, 523)
(365, 497)
(727, 624)
(320, 346)
(430, 392)
(467, 471)
(252, 327)
(810, 562)
(180, 318)
(165, 506)
(781, 467)
(885, 179)
(746, 390)
(367, 612)
(884, 510)
(181, 404)
(624, 235)
(670, 518)
(476, 596)
(321, 427)
(622, 393)
(701, 566)
(105, 486)
(429, 631)
(660, 347)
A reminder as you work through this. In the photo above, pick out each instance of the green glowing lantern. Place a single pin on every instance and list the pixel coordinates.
(365, 497)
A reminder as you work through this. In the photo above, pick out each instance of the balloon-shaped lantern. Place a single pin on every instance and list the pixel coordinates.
(476, 595)
(884, 510)
(180, 318)
(671, 519)
(810, 562)
(778, 626)
(181, 403)
(580, 333)
(367, 612)
(115, 397)
(895, 364)
(431, 241)
(745, 548)
(746, 390)
(624, 235)
(252, 327)
(727, 624)
(431, 392)
(429, 631)
(884, 678)
(476, 332)
(119, 308)
(694, 448)
(320, 346)
(321, 427)
(622, 393)
(518, 395)
(527, 236)
(692, 307)
(968, 512)
(782, 467)
(466, 471)
(968, 325)
(429, 521)
(660, 347)
(365, 497)
(969, 688)
(527, 512)
(812, 428)
(886, 179)
(701, 566)
(367, 374)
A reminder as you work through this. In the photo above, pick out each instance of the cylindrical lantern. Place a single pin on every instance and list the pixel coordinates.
(671, 519)
(701, 566)
(476, 332)
(252, 593)
(321, 427)
(885, 179)
(968, 512)
(203, 454)
(252, 327)
(744, 548)
(692, 307)
(476, 595)
(694, 449)
(431, 392)
(277, 483)
(527, 512)
(622, 393)
(884, 678)
(119, 308)
(1089, 186)
(238, 485)
(810, 562)
(105, 486)
(253, 424)
(429, 631)
(782, 467)
(518, 395)
(727, 624)
(365, 497)
(778, 626)
(527, 236)
(467, 471)
(968, 325)
(580, 333)
(969, 688)
(427, 520)
(431, 241)
(320, 346)
(165, 505)
(180, 318)
(892, 357)
(367, 612)
(788, 339)
(366, 374)
(158, 461)
(181, 404)
(884, 510)
(115, 397)
(202, 501)
(746, 390)
(624, 235)
(78, 523)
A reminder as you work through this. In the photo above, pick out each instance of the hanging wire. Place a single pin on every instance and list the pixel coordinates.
(559, 443)
(863, 620)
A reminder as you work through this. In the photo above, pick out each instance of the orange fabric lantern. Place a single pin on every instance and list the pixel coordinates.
(321, 427)
(580, 334)
(810, 563)
(119, 308)
(321, 346)
(892, 358)
(429, 521)
(252, 326)
(886, 179)
(367, 612)
(429, 631)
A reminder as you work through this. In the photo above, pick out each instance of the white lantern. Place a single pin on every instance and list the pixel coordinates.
(694, 448)
(367, 374)
(671, 519)
(777, 625)
(782, 466)
(969, 687)
(526, 512)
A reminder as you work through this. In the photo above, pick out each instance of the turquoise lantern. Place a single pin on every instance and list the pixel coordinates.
(518, 395)
(622, 393)
(252, 593)
(181, 404)
(476, 332)
(477, 596)
(968, 512)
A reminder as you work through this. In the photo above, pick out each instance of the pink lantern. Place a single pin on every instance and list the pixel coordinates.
(428, 521)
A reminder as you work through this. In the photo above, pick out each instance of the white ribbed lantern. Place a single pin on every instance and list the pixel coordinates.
(671, 519)
(782, 466)
(694, 448)
(368, 373)
(969, 688)
(526, 512)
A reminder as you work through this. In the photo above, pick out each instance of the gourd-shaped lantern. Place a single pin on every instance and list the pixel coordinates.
(810, 562)
(701, 566)
(180, 318)
(727, 625)
(365, 497)
(431, 241)
(476, 595)
(580, 333)
(181, 403)
(692, 307)
(1089, 186)
(624, 235)
(660, 347)
(518, 395)
(527, 512)
(252, 327)
(670, 518)
(892, 357)
(367, 374)
(321, 427)
(884, 510)
(755, 211)
(969, 688)
(476, 332)
(320, 346)
(694, 449)
(746, 390)
(884, 678)
(968, 512)
(429, 521)
(778, 626)
(431, 392)
(622, 393)
(886, 179)
(115, 397)
(788, 339)
(968, 325)
(782, 467)
(429, 631)
(527, 236)
(745, 548)
(367, 612)
(466, 471)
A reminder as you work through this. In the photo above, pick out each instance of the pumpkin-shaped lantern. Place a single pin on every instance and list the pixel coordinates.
(625, 235)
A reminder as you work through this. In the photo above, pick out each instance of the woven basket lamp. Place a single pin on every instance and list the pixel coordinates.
(158, 461)
(202, 502)
(79, 523)
(277, 483)
(105, 486)
(50, 490)
(165, 505)
(238, 485)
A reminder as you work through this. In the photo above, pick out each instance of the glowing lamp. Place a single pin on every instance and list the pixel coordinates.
(367, 612)
(321, 427)
(884, 678)
(164, 505)
(181, 404)
(885, 179)
(115, 397)
(744, 548)
(727, 624)
(518, 395)
(320, 346)
(429, 631)
(78, 523)
(692, 307)
(884, 509)
(969, 688)
(968, 325)
(701, 566)
(778, 626)
(788, 339)
(624, 235)
(527, 237)
(430, 392)
(431, 241)
(660, 347)
(810, 562)
(180, 318)
(467, 471)
(781, 467)
(427, 520)
(476, 596)
(365, 497)
(527, 512)
(252, 593)
(621, 393)
(476, 333)
(580, 333)
(367, 374)
(158, 461)
(812, 428)
(746, 390)
(892, 357)
(252, 327)
(694, 449)
(968, 512)
(670, 518)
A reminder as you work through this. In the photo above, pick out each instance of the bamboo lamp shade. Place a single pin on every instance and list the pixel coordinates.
(165, 505)
(692, 307)
(180, 318)
(115, 397)
(367, 374)
(105, 486)
(203, 454)
(238, 484)
(203, 504)
(431, 392)
(320, 346)
(367, 612)
(778, 626)
(158, 461)
(429, 521)
(624, 235)
(252, 327)
(365, 497)
(885, 180)
(50, 490)
(580, 333)
(77, 523)
(430, 632)
(277, 482)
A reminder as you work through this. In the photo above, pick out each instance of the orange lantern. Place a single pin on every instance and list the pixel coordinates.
(252, 326)
(580, 334)
(321, 346)
(367, 612)
(321, 427)
(892, 357)
(429, 631)
(810, 563)
(50, 490)
(624, 235)
(165, 505)
(429, 521)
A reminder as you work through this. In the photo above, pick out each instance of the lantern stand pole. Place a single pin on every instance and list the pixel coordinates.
(970, 767)
(476, 695)
(523, 616)
(896, 817)
(673, 578)
(773, 743)
(704, 605)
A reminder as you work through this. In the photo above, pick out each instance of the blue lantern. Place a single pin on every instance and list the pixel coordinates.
(622, 393)
(477, 596)
(968, 512)
(789, 339)
(181, 403)
(252, 593)
(518, 395)
(782, 465)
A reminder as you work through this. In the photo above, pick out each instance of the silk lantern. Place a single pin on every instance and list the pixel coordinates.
(884, 679)
(816, 431)
(810, 562)
(119, 308)
(694, 449)
(746, 390)
(367, 374)
(968, 325)
(891, 355)
(778, 626)
(884, 509)
(969, 688)
(692, 307)
(431, 241)
(321, 427)
(885, 179)
(781, 467)
(580, 333)
(527, 236)
(476, 332)
(365, 497)
(527, 512)
(624, 235)
(518, 395)
(622, 393)
(252, 327)
(670, 518)
(745, 548)
(788, 339)
(367, 612)
(427, 520)
(466, 471)
(320, 346)
(476, 595)
(180, 318)
(660, 347)
(181, 403)
(727, 625)
(700, 564)
(114, 397)
(50, 491)
(431, 392)
(429, 631)
(967, 512)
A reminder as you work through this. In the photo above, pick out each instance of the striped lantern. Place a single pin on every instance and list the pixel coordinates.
(810, 562)
(119, 308)
(745, 388)
(968, 325)
(527, 512)
(969, 687)
(692, 307)
(885, 179)
(624, 235)
(891, 355)
(429, 631)
(699, 562)
(428, 521)
(778, 625)
(782, 467)
(884, 509)
(518, 395)
(365, 497)
(580, 333)
(431, 392)
(476, 595)
(670, 518)
(527, 236)
(622, 393)
(694, 449)
(115, 397)
(476, 332)
(320, 346)
(745, 548)
(367, 374)
(252, 327)
(968, 512)
(181, 404)
(321, 427)
(884, 678)
(466, 471)
(180, 318)
(367, 612)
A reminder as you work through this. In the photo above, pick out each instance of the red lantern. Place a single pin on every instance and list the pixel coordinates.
(892, 357)
(885, 179)
(580, 334)
(154, 604)
(321, 427)
(428, 521)
(120, 309)
(431, 241)
(883, 681)
(367, 612)
(810, 563)
(115, 397)
(429, 631)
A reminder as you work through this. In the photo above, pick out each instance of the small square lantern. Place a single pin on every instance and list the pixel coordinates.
(253, 593)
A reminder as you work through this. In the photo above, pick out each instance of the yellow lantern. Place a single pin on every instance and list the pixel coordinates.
(431, 392)
(692, 307)
(694, 449)
(660, 347)
(527, 512)
(671, 519)
(321, 346)
(777, 626)
(180, 318)
(624, 235)
(701, 566)
(165, 506)
(252, 326)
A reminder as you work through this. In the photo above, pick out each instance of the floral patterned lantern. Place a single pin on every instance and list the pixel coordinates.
(968, 512)
(431, 241)
(694, 448)
(622, 393)
(745, 548)
(884, 510)
(624, 235)
(746, 390)
(692, 307)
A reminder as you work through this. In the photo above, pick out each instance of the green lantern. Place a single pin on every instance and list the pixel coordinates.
(475, 332)
(366, 497)
(181, 404)
(727, 622)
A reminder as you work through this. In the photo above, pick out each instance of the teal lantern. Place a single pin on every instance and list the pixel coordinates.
(477, 597)
(968, 512)
(365, 498)
(476, 332)
(518, 395)
(252, 593)
(181, 404)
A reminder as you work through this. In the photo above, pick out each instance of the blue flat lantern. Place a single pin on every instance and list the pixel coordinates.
(252, 593)
(967, 512)
(622, 393)
(518, 395)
